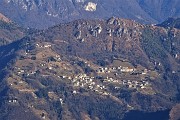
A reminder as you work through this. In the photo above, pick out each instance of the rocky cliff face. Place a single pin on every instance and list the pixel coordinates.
(44, 13)
(90, 69)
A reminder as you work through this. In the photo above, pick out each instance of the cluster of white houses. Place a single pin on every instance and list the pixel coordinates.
(143, 83)
(120, 69)
(136, 84)
(44, 45)
(84, 81)
(114, 69)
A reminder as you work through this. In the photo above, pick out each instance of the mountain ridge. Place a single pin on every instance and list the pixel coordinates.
(42, 14)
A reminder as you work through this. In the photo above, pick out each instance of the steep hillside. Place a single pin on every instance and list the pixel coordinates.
(9, 31)
(45, 13)
(91, 69)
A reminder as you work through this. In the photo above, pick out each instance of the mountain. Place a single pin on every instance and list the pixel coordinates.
(92, 69)
(45, 13)
(10, 31)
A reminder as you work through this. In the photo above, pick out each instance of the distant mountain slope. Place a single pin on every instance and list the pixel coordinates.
(161, 9)
(9, 31)
(91, 69)
(45, 13)
(171, 23)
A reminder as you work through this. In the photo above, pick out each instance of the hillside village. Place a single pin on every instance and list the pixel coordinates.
(48, 63)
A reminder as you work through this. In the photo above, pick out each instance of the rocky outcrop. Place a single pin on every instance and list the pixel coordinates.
(3, 18)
